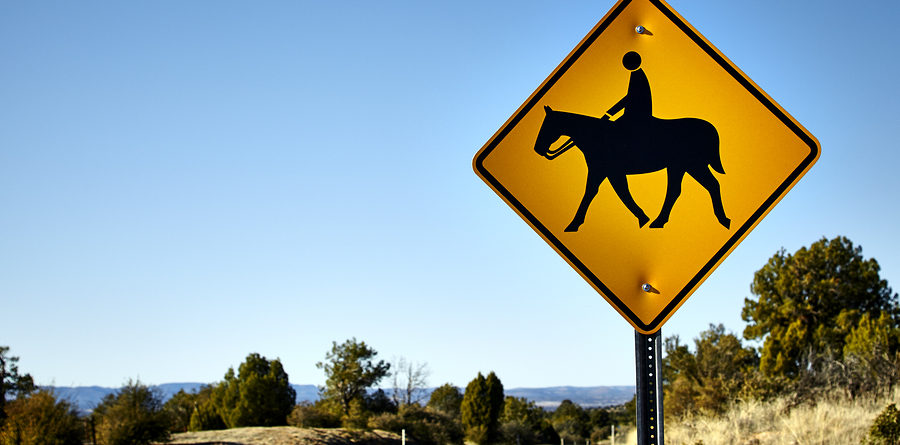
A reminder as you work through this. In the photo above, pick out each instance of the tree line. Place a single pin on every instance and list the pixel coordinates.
(819, 320)
(259, 394)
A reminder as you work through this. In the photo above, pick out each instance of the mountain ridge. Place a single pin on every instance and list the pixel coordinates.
(85, 398)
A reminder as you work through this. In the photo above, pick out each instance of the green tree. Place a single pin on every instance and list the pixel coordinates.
(182, 406)
(179, 409)
(570, 421)
(206, 417)
(12, 384)
(41, 419)
(625, 414)
(871, 356)
(481, 407)
(132, 416)
(350, 369)
(259, 395)
(600, 420)
(710, 377)
(475, 410)
(807, 302)
(378, 402)
(446, 399)
(523, 423)
(496, 399)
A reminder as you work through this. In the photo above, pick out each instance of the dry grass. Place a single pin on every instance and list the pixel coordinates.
(834, 421)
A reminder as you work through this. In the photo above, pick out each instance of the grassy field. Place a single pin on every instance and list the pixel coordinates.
(834, 421)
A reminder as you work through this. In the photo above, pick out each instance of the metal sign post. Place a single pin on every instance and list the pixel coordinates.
(647, 355)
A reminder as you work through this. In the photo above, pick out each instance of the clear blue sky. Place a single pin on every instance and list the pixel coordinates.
(183, 183)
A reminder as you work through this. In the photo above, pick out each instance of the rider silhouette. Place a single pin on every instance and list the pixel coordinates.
(637, 102)
(637, 143)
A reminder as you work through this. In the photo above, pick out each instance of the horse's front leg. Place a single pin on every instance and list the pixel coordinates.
(620, 185)
(673, 191)
(590, 190)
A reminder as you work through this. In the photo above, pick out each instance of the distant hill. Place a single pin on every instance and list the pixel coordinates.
(586, 396)
(87, 397)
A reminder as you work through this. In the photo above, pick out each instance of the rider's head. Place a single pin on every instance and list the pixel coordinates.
(632, 60)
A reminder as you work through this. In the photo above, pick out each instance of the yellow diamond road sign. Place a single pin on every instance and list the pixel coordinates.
(645, 158)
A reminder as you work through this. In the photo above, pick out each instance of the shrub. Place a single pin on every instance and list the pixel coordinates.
(314, 415)
(885, 430)
(179, 410)
(132, 416)
(205, 417)
(41, 419)
(446, 399)
(424, 426)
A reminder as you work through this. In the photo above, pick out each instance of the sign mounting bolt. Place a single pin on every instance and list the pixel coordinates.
(649, 289)
(640, 29)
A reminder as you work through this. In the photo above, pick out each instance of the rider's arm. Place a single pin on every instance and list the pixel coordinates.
(617, 107)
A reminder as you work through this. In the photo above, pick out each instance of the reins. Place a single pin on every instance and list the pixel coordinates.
(553, 154)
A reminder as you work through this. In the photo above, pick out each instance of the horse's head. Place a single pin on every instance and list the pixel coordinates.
(549, 133)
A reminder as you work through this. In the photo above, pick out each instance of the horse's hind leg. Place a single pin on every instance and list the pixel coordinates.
(590, 190)
(620, 185)
(711, 184)
(673, 191)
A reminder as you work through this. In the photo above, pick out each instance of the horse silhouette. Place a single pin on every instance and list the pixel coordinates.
(614, 150)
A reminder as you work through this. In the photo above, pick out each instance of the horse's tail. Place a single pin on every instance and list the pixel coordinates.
(716, 160)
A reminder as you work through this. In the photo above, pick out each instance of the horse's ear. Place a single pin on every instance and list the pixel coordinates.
(547, 109)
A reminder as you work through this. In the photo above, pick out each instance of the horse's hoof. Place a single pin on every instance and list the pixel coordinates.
(572, 227)
(725, 222)
(657, 224)
(642, 221)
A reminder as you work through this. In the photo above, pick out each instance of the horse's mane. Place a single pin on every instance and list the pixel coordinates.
(583, 119)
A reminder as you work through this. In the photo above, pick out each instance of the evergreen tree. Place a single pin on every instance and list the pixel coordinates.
(179, 409)
(570, 421)
(708, 378)
(12, 384)
(807, 303)
(350, 369)
(378, 402)
(521, 422)
(41, 419)
(259, 395)
(132, 416)
(183, 407)
(206, 417)
(496, 399)
(871, 356)
(475, 410)
(600, 420)
(446, 399)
